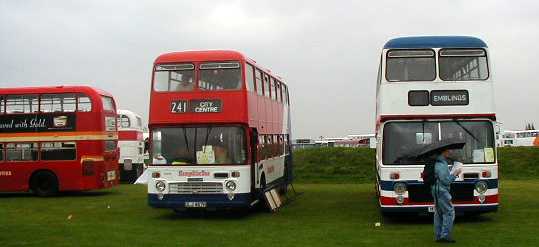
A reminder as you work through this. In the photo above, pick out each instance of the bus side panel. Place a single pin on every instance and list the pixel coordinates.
(12, 175)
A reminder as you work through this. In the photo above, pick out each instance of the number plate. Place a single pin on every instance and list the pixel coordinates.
(195, 204)
(431, 209)
(111, 175)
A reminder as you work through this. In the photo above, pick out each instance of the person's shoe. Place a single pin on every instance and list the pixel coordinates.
(445, 240)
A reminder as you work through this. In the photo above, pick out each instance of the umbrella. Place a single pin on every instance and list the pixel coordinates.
(438, 147)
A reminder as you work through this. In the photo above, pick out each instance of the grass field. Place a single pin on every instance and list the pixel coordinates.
(325, 215)
(355, 165)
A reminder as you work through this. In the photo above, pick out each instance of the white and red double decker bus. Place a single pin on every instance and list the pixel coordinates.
(60, 138)
(219, 131)
(131, 145)
(432, 89)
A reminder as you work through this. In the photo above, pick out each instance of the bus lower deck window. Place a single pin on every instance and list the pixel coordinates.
(21, 151)
(58, 151)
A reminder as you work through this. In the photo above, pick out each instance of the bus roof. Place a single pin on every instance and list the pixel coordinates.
(435, 42)
(54, 89)
(209, 55)
(199, 56)
(127, 112)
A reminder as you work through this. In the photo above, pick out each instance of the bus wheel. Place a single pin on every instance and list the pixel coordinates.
(44, 183)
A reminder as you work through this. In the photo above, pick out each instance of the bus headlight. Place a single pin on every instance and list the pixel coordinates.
(399, 188)
(160, 186)
(230, 186)
(481, 187)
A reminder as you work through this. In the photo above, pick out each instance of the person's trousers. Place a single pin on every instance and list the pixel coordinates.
(444, 216)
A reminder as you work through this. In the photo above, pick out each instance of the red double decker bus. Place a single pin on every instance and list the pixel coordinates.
(219, 131)
(61, 138)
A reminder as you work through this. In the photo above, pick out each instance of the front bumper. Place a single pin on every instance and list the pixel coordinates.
(216, 201)
(484, 208)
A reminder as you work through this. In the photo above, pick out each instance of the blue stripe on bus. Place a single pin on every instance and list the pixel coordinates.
(212, 200)
(388, 185)
(435, 42)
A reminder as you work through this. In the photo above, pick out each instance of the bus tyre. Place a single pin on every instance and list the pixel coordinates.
(44, 183)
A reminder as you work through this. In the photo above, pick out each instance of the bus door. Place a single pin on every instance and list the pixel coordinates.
(254, 156)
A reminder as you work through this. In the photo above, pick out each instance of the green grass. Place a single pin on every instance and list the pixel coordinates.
(325, 215)
(355, 165)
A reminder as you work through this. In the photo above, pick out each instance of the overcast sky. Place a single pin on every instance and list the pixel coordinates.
(327, 51)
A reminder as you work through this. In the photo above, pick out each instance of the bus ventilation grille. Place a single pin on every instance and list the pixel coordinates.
(196, 187)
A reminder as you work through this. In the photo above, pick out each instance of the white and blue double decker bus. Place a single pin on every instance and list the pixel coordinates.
(431, 89)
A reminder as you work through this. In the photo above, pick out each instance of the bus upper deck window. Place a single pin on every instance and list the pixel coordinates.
(58, 103)
(220, 76)
(84, 104)
(174, 77)
(410, 65)
(2, 105)
(249, 77)
(258, 79)
(22, 103)
(124, 121)
(463, 64)
(108, 103)
(139, 122)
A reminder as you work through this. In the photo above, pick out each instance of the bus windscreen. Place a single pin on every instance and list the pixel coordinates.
(403, 140)
(198, 145)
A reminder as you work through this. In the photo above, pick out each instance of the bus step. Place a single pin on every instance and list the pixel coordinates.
(273, 200)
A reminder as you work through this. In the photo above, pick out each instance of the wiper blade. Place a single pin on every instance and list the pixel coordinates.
(467, 131)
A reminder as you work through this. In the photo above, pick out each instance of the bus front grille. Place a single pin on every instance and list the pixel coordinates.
(195, 187)
(459, 192)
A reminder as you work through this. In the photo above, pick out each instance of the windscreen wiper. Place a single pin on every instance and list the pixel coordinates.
(467, 131)
(186, 140)
(207, 136)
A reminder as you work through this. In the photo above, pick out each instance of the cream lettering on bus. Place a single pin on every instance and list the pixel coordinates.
(5, 173)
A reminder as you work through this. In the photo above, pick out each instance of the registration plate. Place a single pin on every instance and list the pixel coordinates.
(195, 204)
(111, 175)
(431, 209)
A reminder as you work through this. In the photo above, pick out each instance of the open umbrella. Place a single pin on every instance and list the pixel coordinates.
(438, 147)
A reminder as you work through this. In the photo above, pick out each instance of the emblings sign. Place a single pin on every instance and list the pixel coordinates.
(449, 97)
(438, 97)
(36, 123)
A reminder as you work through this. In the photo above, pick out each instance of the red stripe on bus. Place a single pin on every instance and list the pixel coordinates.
(384, 200)
(129, 135)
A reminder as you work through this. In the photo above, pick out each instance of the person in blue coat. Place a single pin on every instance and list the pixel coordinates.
(444, 212)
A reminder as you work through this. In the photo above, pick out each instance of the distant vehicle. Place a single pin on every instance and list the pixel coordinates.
(219, 131)
(61, 138)
(517, 138)
(432, 89)
(131, 144)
